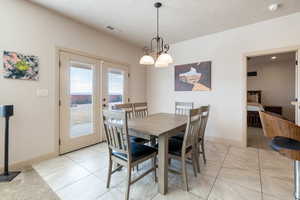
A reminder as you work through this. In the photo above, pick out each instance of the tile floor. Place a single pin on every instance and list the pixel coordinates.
(256, 138)
(27, 186)
(231, 173)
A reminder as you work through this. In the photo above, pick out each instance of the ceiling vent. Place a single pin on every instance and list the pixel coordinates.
(110, 28)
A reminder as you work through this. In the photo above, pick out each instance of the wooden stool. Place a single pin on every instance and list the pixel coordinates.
(285, 137)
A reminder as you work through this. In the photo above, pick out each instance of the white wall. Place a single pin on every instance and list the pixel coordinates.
(228, 95)
(29, 29)
(276, 80)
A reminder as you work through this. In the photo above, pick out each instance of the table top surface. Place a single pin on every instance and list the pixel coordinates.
(158, 124)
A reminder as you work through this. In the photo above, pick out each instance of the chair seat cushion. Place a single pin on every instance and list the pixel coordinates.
(278, 143)
(179, 136)
(138, 151)
(175, 147)
(138, 140)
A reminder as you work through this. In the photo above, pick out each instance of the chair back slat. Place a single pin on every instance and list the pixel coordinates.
(116, 130)
(127, 107)
(140, 110)
(182, 108)
(203, 122)
(192, 129)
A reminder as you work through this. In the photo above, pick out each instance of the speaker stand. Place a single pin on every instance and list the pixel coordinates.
(7, 176)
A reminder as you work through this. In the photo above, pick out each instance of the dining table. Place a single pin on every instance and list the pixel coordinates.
(160, 126)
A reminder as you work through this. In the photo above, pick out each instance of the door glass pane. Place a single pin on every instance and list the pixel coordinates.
(81, 90)
(115, 87)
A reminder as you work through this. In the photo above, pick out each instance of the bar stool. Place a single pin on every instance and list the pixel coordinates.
(285, 139)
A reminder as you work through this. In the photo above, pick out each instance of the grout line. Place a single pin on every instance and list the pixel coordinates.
(69, 184)
(260, 178)
(213, 185)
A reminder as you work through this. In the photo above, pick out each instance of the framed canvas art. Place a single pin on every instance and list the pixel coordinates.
(193, 77)
(19, 66)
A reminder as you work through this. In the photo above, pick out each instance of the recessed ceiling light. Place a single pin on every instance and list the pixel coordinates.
(273, 7)
(273, 58)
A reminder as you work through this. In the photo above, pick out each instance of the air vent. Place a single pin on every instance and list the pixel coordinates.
(252, 73)
(110, 28)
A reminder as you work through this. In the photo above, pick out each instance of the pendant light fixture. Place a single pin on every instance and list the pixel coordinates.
(158, 54)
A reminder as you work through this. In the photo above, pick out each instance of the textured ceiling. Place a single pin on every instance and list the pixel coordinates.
(135, 20)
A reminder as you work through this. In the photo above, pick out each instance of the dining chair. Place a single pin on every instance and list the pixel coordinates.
(285, 139)
(201, 133)
(122, 151)
(184, 150)
(140, 110)
(128, 108)
(182, 108)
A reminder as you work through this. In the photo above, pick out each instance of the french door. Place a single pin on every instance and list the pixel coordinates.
(114, 84)
(79, 102)
(297, 89)
(87, 86)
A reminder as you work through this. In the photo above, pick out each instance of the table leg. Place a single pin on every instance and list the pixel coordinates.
(163, 141)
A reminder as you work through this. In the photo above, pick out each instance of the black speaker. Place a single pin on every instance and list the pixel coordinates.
(6, 110)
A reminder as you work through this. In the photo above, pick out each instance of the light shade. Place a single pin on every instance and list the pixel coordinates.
(161, 64)
(165, 58)
(147, 60)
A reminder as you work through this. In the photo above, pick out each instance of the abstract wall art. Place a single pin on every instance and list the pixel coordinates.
(193, 77)
(20, 66)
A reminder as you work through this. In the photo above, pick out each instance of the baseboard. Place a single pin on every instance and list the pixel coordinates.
(224, 141)
(28, 163)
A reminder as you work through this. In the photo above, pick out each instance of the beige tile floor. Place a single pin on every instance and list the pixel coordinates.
(256, 138)
(27, 186)
(231, 173)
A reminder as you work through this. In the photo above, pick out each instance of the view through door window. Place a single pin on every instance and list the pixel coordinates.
(115, 87)
(81, 91)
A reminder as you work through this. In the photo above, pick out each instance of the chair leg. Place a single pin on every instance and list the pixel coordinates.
(154, 166)
(128, 182)
(184, 173)
(197, 160)
(109, 172)
(194, 163)
(203, 152)
(297, 179)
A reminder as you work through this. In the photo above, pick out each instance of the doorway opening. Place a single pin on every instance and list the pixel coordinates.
(272, 87)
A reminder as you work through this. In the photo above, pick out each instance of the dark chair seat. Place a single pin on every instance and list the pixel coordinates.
(175, 147)
(278, 143)
(179, 136)
(138, 140)
(138, 151)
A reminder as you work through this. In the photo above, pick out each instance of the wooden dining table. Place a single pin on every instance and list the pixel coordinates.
(161, 126)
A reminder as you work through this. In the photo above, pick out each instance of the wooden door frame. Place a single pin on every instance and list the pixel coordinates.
(245, 85)
(57, 50)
